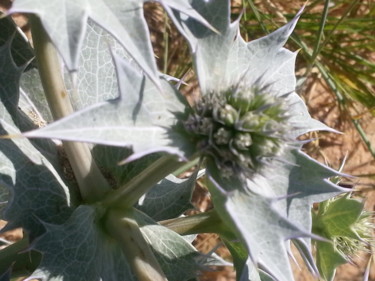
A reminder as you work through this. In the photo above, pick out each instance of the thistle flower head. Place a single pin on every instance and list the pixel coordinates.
(240, 128)
(347, 246)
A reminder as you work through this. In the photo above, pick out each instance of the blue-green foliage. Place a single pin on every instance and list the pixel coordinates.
(121, 100)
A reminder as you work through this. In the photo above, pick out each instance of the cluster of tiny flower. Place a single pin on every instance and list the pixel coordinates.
(350, 246)
(241, 128)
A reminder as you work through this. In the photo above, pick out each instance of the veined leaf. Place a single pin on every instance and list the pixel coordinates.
(179, 260)
(169, 198)
(328, 260)
(96, 78)
(80, 250)
(273, 207)
(339, 220)
(296, 182)
(336, 217)
(109, 157)
(66, 23)
(140, 117)
(257, 223)
(31, 87)
(37, 191)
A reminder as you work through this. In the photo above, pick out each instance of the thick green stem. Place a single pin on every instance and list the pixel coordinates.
(90, 180)
(186, 166)
(208, 222)
(128, 194)
(126, 231)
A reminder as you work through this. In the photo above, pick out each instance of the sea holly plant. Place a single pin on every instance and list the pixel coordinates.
(343, 221)
(94, 189)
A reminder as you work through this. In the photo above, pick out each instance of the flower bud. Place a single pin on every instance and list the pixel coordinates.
(265, 148)
(270, 127)
(205, 126)
(226, 115)
(241, 100)
(249, 122)
(242, 141)
(222, 136)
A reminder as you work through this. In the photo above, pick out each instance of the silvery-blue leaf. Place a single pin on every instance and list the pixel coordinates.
(179, 260)
(169, 198)
(79, 249)
(298, 181)
(140, 117)
(262, 228)
(27, 169)
(66, 24)
(224, 60)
